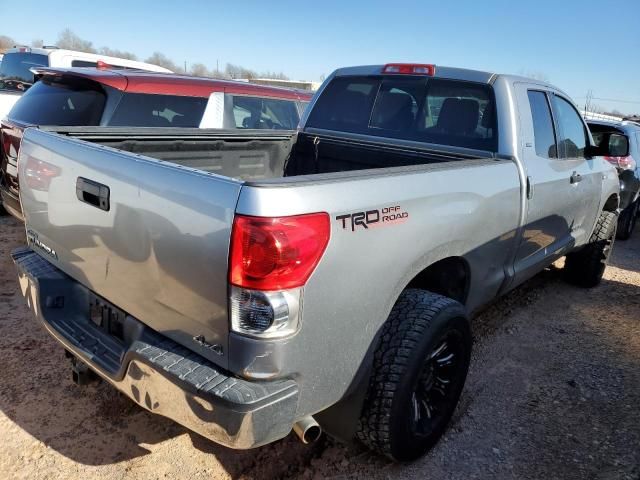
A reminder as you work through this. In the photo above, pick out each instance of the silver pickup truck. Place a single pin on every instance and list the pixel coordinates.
(249, 283)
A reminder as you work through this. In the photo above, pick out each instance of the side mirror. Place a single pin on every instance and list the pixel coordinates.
(618, 146)
(610, 145)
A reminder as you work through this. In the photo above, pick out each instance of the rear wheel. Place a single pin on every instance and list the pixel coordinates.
(420, 367)
(627, 221)
(586, 266)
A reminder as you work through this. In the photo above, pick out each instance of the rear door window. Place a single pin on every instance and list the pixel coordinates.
(148, 110)
(543, 131)
(264, 113)
(422, 109)
(14, 70)
(573, 135)
(53, 102)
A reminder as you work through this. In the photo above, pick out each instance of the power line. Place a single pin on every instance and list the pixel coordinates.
(610, 99)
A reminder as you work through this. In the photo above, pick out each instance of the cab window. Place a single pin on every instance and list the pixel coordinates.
(543, 131)
(415, 108)
(149, 110)
(264, 113)
(572, 133)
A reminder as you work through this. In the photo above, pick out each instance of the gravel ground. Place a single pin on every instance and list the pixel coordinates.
(553, 392)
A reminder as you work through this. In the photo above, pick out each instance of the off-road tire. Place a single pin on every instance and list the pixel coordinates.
(418, 322)
(627, 221)
(586, 266)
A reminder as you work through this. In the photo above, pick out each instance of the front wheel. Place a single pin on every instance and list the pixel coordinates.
(420, 367)
(586, 266)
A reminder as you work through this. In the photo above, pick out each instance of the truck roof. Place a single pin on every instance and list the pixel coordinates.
(139, 81)
(613, 123)
(451, 73)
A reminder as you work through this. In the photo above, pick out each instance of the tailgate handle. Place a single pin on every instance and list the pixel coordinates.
(93, 193)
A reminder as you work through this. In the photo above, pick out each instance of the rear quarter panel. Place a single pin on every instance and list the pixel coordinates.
(469, 209)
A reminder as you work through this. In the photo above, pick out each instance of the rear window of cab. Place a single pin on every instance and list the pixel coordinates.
(429, 110)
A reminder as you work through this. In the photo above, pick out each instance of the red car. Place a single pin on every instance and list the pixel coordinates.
(110, 97)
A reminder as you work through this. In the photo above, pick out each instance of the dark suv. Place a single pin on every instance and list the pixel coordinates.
(628, 167)
(136, 98)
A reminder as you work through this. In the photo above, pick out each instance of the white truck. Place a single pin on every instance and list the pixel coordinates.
(16, 75)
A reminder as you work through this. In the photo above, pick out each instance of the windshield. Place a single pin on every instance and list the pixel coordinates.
(421, 109)
(14, 70)
(52, 102)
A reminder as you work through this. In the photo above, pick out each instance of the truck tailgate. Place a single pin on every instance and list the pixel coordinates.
(150, 237)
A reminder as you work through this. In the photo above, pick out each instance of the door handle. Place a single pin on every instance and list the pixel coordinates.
(93, 193)
(575, 178)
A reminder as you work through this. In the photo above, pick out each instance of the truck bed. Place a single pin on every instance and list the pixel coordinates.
(257, 154)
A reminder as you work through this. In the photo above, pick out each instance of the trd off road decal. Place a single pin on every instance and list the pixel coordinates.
(386, 216)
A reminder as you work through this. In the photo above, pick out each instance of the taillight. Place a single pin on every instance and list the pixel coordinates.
(409, 69)
(276, 253)
(38, 174)
(624, 163)
(270, 259)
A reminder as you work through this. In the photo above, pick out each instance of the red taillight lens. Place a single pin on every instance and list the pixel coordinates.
(38, 174)
(625, 163)
(409, 69)
(276, 253)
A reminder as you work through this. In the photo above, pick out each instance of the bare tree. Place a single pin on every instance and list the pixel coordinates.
(199, 70)
(37, 43)
(112, 52)
(6, 43)
(162, 60)
(69, 40)
(274, 75)
(237, 71)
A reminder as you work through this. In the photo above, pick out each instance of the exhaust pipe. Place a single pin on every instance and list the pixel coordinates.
(307, 429)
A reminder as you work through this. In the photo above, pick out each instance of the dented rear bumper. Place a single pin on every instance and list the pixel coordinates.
(154, 371)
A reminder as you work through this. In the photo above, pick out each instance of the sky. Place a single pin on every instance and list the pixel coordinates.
(579, 46)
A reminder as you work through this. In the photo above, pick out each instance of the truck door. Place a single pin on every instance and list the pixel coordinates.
(585, 180)
(550, 213)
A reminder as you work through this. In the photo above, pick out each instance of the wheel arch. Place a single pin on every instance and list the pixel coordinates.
(449, 276)
(612, 203)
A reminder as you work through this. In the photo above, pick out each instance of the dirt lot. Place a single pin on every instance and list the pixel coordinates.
(553, 392)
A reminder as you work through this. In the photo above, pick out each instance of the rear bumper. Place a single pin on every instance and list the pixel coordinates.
(11, 203)
(155, 372)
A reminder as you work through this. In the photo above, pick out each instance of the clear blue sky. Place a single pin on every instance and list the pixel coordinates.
(577, 45)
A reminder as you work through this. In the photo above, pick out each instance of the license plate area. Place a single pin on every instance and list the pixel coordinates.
(107, 317)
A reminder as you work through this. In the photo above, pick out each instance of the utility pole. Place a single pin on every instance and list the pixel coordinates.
(185, 66)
